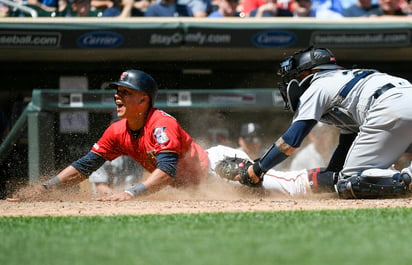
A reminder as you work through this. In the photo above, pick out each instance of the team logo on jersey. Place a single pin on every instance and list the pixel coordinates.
(96, 146)
(160, 135)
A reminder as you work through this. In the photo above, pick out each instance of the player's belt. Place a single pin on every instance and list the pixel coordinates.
(382, 90)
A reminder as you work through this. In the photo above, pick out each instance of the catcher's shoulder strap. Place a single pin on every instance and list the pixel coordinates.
(358, 76)
(339, 116)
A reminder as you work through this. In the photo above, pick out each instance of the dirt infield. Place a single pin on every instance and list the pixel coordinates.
(209, 198)
(140, 207)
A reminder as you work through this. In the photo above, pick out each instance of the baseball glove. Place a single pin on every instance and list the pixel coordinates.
(230, 167)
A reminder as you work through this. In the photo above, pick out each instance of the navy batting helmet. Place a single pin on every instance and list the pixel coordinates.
(138, 80)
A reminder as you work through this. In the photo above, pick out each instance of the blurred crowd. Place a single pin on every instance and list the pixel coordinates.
(206, 8)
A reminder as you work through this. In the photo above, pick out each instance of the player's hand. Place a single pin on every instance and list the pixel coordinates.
(31, 193)
(104, 189)
(122, 196)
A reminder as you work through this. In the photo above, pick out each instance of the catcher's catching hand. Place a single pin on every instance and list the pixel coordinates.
(235, 168)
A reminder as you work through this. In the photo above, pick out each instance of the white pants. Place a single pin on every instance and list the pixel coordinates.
(291, 183)
(385, 135)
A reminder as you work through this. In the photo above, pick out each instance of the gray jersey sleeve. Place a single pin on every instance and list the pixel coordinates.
(316, 100)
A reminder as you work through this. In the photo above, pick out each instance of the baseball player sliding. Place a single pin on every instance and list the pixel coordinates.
(373, 111)
(150, 136)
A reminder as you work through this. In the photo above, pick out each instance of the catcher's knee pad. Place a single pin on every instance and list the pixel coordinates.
(406, 174)
(367, 187)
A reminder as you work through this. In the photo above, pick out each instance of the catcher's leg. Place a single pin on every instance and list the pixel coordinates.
(375, 183)
(384, 137)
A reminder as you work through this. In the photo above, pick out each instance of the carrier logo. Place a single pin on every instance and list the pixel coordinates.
(274, 39)
(100, 39)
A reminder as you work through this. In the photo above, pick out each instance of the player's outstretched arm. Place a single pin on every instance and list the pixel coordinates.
(66, 178)
(156, 181)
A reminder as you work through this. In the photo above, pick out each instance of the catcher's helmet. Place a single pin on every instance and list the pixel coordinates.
(138, 80)
(311, 58)
(293, 85)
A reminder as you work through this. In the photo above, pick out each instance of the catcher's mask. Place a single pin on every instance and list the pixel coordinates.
(297, 68)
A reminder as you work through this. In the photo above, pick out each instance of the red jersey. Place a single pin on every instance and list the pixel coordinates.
(249, 5)
(161, 133)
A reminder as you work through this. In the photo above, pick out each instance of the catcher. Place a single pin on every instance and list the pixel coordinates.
(372, 111)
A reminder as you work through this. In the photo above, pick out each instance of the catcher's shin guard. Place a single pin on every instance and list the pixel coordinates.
(361, 187)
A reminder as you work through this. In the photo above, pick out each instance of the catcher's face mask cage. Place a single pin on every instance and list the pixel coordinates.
(287, 71)
(297, 67)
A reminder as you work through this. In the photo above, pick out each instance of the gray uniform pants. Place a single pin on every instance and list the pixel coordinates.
(385, 135)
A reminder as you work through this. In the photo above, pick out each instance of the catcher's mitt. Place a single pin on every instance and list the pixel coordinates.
(230, 167)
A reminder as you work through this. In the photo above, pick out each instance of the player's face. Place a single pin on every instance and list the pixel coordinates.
(130, 103)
